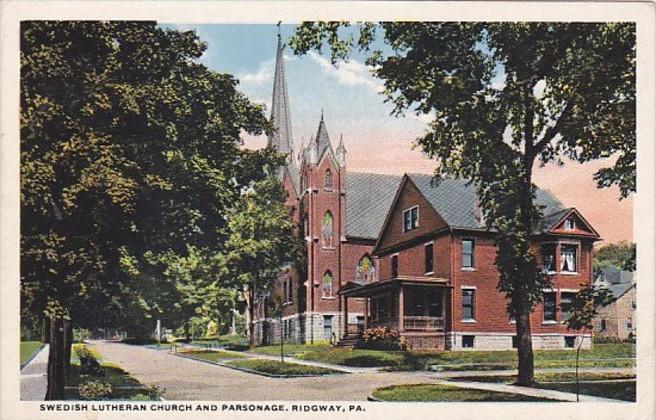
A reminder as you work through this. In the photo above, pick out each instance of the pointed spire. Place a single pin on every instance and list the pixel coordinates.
(312, 152)
(281, 137)
(322, 139)
(341, 152)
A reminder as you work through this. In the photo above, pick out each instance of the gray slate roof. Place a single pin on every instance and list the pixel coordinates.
(455, 201)
(368, 199)
(613, 275)
(619, 289)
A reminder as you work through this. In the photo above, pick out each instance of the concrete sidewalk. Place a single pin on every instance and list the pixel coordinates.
(339, 368)
(34, 377)
(533, 392)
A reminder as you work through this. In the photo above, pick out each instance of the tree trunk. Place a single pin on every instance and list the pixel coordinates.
(522, 302)
(525, 368)
(55, 390)
(251, 314)
(187, 332)
(68, 344)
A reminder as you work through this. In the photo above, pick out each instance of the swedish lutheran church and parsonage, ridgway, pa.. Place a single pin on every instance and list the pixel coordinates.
(406, 253)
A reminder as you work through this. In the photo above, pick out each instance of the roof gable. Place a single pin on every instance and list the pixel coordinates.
(556, 224)
(408, 195)
(455, 200)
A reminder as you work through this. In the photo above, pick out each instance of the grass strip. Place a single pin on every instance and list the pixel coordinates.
(274, 367)
(28, 349)
(447, 393)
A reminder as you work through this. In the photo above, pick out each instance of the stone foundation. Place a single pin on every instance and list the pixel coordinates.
(299, 328)
(500, 341)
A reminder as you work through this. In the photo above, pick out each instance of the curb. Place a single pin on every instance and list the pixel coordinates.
(256, 372)
(32, 356)
(374, 399)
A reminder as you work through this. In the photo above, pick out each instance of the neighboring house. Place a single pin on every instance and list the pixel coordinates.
(404, 253)
(617, 319)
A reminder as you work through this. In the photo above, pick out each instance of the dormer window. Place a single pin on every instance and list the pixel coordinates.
(569, 224)
(410, 219)
(328, 180)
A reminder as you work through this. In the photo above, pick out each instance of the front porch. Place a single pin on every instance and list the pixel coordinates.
(413, 306)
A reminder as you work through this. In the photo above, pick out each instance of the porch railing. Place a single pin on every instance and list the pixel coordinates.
(423, 323)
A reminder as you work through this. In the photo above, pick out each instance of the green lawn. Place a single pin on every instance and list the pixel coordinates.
(277, 368)
(27, 349)
(113, 375)
(435, 392)
(230, 341)
(592, 383)
(624, 390)
(547, 377)
(455, 360)
(212, 356)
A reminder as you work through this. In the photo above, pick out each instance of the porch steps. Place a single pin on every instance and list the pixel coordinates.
(348, 341)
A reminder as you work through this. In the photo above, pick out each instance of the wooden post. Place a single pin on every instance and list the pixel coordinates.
(345, 316)
(401, 327)
(366, 313)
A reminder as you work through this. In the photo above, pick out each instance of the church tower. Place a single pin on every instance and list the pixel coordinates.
(281, 135)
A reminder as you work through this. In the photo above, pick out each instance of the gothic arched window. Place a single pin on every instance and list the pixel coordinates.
(365, 271)
(327, 284)
(328, 180)
(327, 230)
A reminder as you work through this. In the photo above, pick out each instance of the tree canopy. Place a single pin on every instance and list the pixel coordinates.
(502, 98)
(130, 166)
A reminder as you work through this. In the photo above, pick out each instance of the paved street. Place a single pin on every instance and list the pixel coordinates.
(33, 377)
(186, 379)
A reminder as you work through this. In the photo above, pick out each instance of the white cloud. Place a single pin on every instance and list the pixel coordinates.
(348, 72)
(263, 74)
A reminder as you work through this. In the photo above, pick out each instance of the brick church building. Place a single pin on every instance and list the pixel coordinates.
(403, 252)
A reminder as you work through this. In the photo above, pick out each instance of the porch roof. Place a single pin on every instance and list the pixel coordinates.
(352, 289)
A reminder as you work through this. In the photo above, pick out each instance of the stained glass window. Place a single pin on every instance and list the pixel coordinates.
(327, 284)
(327, 230)
(365, 271)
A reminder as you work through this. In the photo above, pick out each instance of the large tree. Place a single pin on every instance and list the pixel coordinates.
(129, 151)
(504, 97)
(262, 240)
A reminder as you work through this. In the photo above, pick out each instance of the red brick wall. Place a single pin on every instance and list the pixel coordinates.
(411, 260)
(490, 306)
(428, 221)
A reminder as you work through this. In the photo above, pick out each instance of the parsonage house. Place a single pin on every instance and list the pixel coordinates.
(406, 253)
(617, 320)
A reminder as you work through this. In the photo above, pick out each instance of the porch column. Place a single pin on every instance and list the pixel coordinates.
(401, 327)
(366, 313)
(345, 315)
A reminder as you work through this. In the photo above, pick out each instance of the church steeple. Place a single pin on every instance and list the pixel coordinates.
(281, 136)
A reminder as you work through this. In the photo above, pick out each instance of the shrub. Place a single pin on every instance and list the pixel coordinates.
(81, 334)
(382, 338)
(88, 363)
(606, 339)
(95, 390)
(138, 341)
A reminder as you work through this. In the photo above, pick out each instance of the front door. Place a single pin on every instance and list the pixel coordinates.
(327, 326)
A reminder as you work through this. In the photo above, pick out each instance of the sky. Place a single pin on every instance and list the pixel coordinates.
(350, 99)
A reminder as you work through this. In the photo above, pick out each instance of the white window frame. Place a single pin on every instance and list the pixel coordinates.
(577, 258)
(555, 320)
(567, 222)
(473, 303)
(427, 244)
(472, 267)
(409, 210)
